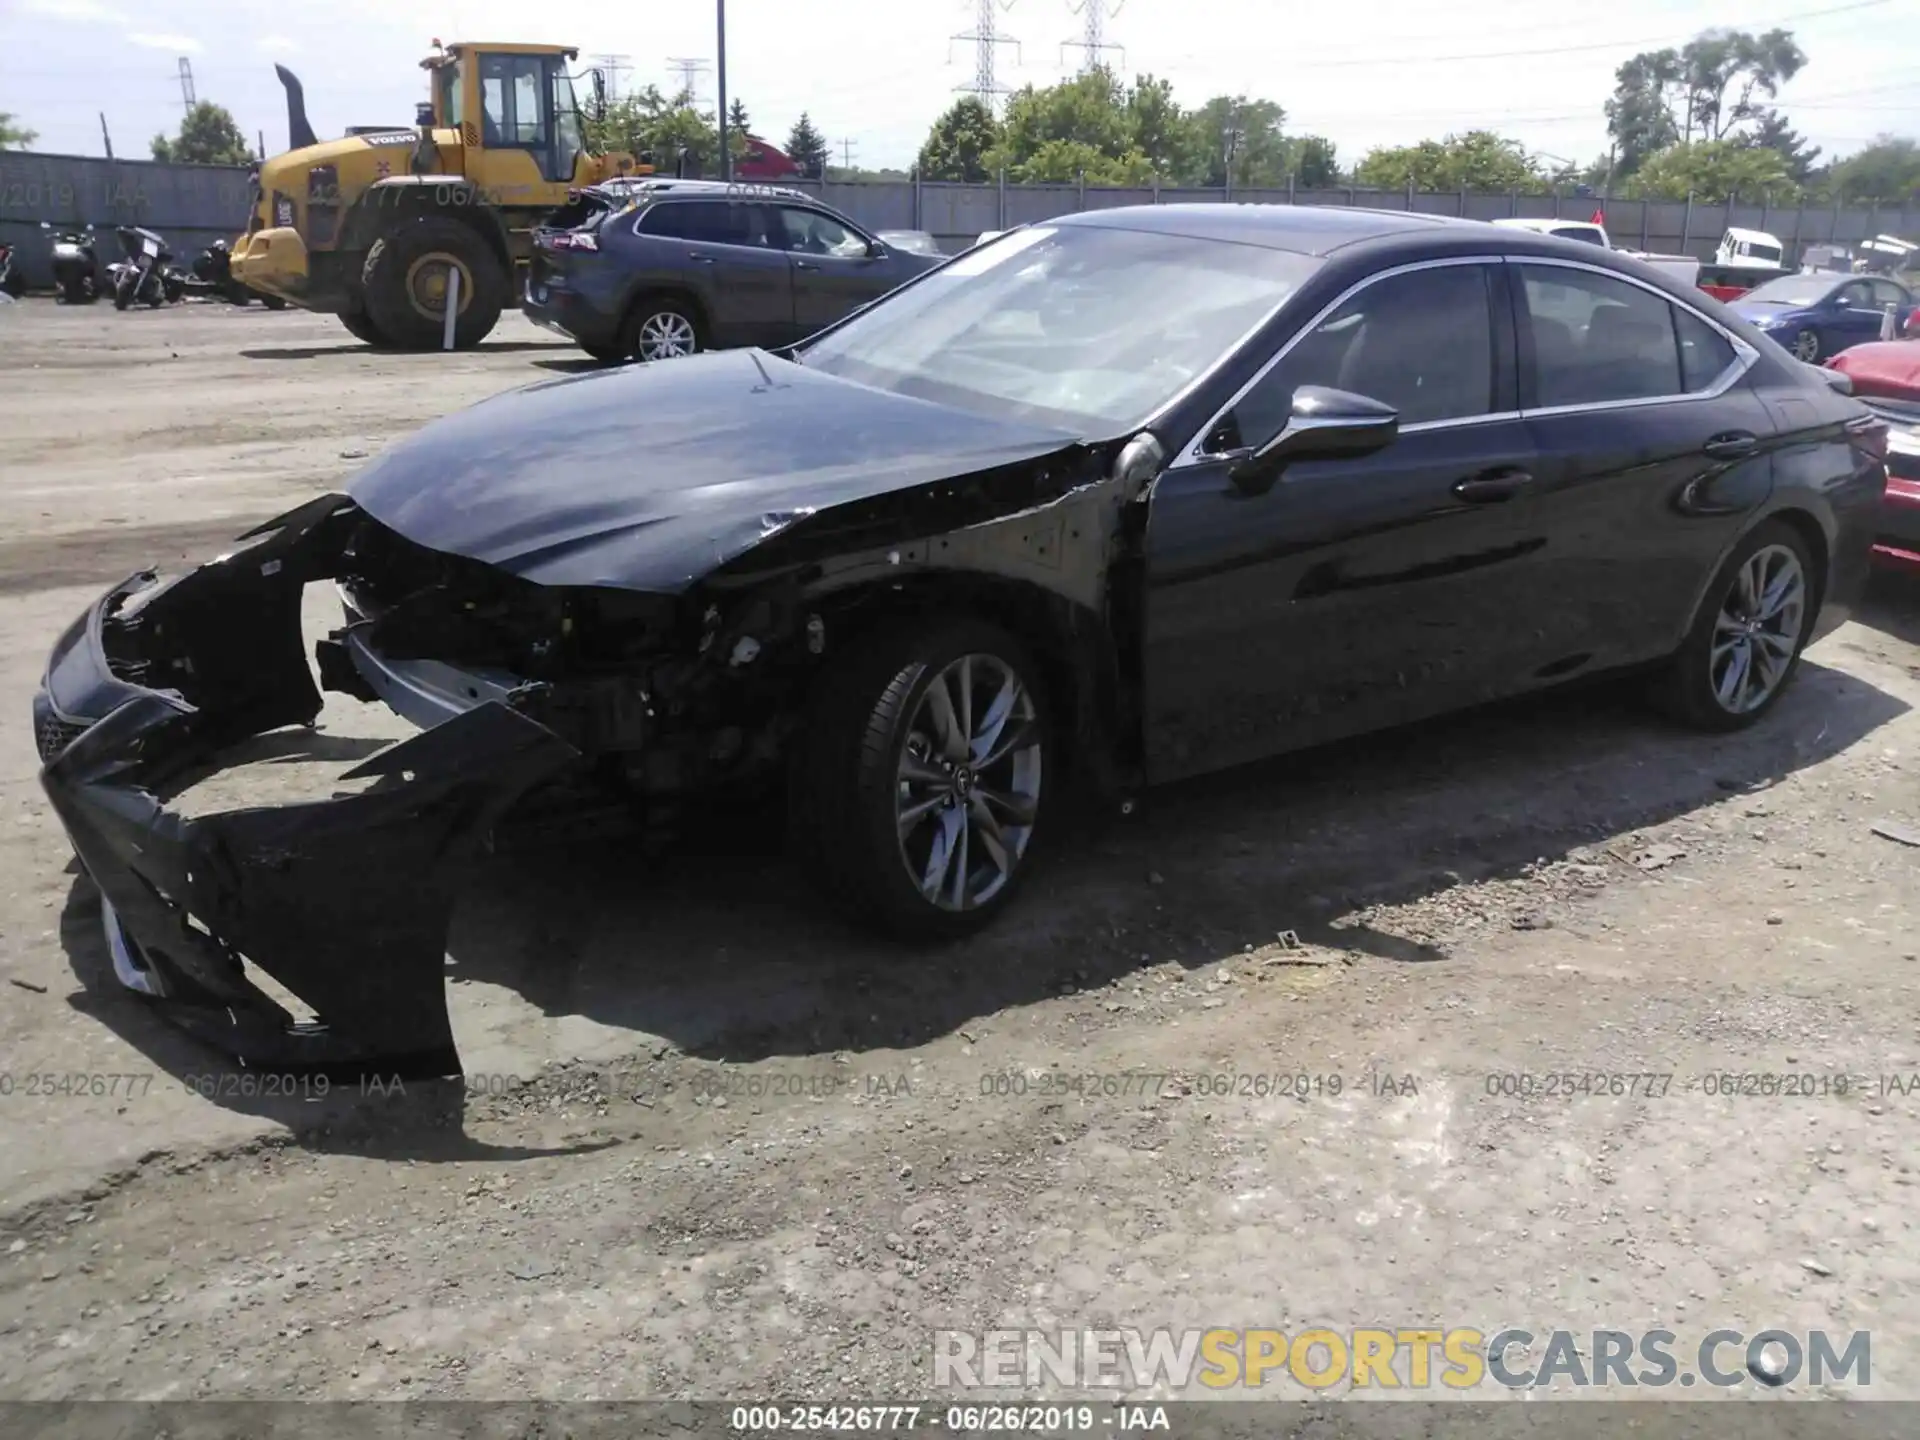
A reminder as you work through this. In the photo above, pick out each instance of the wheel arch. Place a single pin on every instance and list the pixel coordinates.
(1813, 532)
(656, 290)
(1073, 646)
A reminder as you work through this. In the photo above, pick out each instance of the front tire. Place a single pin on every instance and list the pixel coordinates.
(919, 780)
(1744, 647)
(405, 281)
(360, 325)
(123, 292)
(1806, 346)
(662, 327)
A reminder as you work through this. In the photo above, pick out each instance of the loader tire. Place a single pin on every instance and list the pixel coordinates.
(406, 267)
(360, 325)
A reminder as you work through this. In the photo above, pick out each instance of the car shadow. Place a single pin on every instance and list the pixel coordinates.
(577, 367)
(718, 948)
(1892, 606)
(351, 347)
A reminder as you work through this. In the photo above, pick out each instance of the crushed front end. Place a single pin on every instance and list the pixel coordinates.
(343, 902)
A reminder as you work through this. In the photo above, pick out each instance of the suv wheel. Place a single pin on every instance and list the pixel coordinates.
(662, 328)
(919, 778)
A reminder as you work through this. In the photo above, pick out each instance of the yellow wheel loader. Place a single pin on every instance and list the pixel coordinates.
(373, 227)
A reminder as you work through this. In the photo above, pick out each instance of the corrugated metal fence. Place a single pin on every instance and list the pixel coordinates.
(194, 204)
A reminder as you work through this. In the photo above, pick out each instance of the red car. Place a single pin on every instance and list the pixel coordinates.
(1886, 376)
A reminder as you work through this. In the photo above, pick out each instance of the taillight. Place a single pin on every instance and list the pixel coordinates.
(572, 240)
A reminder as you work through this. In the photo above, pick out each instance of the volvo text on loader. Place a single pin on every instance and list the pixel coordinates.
(371, 227)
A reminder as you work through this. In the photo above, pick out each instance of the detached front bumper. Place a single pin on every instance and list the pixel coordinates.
(344, 902)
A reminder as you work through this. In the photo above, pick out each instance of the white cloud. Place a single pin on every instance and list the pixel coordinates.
(75, 10)
(273, 44)
(172, 44)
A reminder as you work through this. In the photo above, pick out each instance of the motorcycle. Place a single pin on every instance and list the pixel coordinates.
(75, 264)
(145, 273)
(213, 275)
(12, 283)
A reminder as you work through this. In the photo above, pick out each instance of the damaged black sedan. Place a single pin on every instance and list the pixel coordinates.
(1117, 499)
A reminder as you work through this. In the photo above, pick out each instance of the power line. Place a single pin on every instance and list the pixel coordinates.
(986, 40)
(1093, 40)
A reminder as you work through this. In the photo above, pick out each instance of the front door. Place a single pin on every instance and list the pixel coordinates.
(834, 273)
(1354, 593)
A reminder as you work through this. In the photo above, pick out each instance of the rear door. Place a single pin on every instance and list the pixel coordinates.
(721, 250)
(1652, 453)
(1852, 319)
(834, 270)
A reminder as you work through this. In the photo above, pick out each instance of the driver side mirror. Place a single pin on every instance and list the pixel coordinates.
(876, 251)
(1323, 424)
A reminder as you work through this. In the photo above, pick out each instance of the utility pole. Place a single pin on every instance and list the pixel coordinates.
(846, 154)
(105, 138)
(1093, 39)
(186, 83)
(720, 41)
(986, 39)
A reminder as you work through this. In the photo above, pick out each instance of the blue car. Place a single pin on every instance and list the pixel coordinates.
(1815, 316)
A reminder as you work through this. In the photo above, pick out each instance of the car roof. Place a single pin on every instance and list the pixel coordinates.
(651, 186)
(1307, 229)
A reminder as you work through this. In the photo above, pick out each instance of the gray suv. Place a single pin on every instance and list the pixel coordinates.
(650, 269)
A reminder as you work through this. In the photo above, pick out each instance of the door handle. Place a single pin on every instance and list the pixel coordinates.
(805, 265)
(1731, 446)
(1492, 486)
(698, 258)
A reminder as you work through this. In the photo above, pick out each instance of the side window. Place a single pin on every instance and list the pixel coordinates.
(809, 232)
(708, 222)
(529, 115)
(1886, 293)
(1705, 354)
(1421, 342)
(493, 106)
(1598, 339)
(1855, 293)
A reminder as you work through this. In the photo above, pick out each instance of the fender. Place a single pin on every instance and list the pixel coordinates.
(429, 194)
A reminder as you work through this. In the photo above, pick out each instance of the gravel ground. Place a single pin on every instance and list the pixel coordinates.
(715, 1145)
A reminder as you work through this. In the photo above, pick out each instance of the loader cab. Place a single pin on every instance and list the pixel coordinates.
(511, 101)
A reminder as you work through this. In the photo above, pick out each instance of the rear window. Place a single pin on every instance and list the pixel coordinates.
(1581, 232)
(583, 212)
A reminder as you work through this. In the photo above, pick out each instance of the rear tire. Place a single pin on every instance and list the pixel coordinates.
(122, 292)
(874, 797)
(273, 302)
(402, 269)
(662, 327)
(1744, 647)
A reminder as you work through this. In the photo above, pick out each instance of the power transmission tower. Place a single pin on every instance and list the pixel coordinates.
(986, 39)
(1092, 43)
(690, 73)
(186, 83)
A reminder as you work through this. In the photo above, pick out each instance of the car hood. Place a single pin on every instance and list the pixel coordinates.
(1766, 312)
(650, 476)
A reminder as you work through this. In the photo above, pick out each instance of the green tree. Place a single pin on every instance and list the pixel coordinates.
(208, 135)
(960, 142)
(1088, 111)
(807, 147)
(1712, 88)
(1248, 134)
(666, 130)
(14, 136)
(1712, 171)
(1158, 129)
(1477, 160)
(1773, 133)
(1640, 112)
(1888, 169)
(1313, 162)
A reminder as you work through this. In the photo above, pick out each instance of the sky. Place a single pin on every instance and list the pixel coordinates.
(874, 75)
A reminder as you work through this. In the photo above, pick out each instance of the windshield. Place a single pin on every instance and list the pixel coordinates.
(1081, 325)
(1792, 290)
(566, 122)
